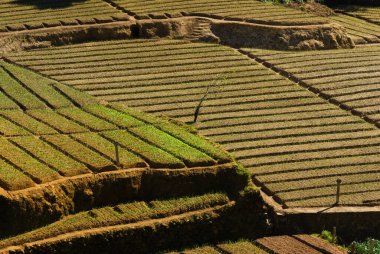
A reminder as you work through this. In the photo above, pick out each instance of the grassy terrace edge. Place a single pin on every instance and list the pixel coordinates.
(147, 227)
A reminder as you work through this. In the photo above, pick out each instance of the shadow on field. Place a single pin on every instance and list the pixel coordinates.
(47, 4)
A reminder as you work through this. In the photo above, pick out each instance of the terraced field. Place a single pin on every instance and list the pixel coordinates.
(295, 143)
(370, 14)
(67, 133)
(242, 9)
(58, 143)
(42, 14)
(84, 170)
(348, 78)
(251, 11)
(361, 31)
(18, 15)
(136, 226)
(295, 244)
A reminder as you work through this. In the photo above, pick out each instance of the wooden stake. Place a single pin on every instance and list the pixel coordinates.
(117, 154)
(334, 235)
(371, 246)
(338, 182)
(353, 248)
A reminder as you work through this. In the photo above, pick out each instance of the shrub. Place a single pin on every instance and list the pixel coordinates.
(327, 235)
(364, 247)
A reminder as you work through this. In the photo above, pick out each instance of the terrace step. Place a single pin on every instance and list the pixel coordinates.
(124, 227)
(141, 227)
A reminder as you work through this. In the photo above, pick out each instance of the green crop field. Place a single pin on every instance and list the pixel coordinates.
(21, 15)
(62, 152)
(117, 218)
(294, 143)
(55, 131)
(169, 126)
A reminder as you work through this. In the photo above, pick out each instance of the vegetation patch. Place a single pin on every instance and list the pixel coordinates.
(71, 153)
(118, 215)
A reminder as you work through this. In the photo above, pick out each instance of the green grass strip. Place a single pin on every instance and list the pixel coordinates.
(18, 92)
(87, 119)
(7, 128)
(156, 157)
(39, 85)
(57, 121)
(65, 165)
(29, 123)
(120, 214)
(119, 118)
(191, 156)
(13, 179)
(35, 169)
(79, 98)
(6, 103)
(106, 147)
(93, 160)
(213, 150)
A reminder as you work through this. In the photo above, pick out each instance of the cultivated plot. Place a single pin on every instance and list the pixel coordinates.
(18, 15)
(252, 11)
(348, 77)
(295, 143)
(361, 31)
(285, 244)
(127, 224)
(60, 144)
(371, 14)
(241, 9)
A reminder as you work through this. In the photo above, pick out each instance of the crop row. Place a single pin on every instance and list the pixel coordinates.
(128, 65)
(18, 118)
(29, 89)
(119, 214)
(348, 83)
(165, 77)
(243, 10)
(271, 123)
(371, 14)
(360, 31)
(99, 46)
(54, 15)
(350, 194)
(122, 54)
(238, 9)
(47, 158)
(139, 74)
(187, 94)
(34, 17)
(45, 121)
(177, 81)
(111, 49)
